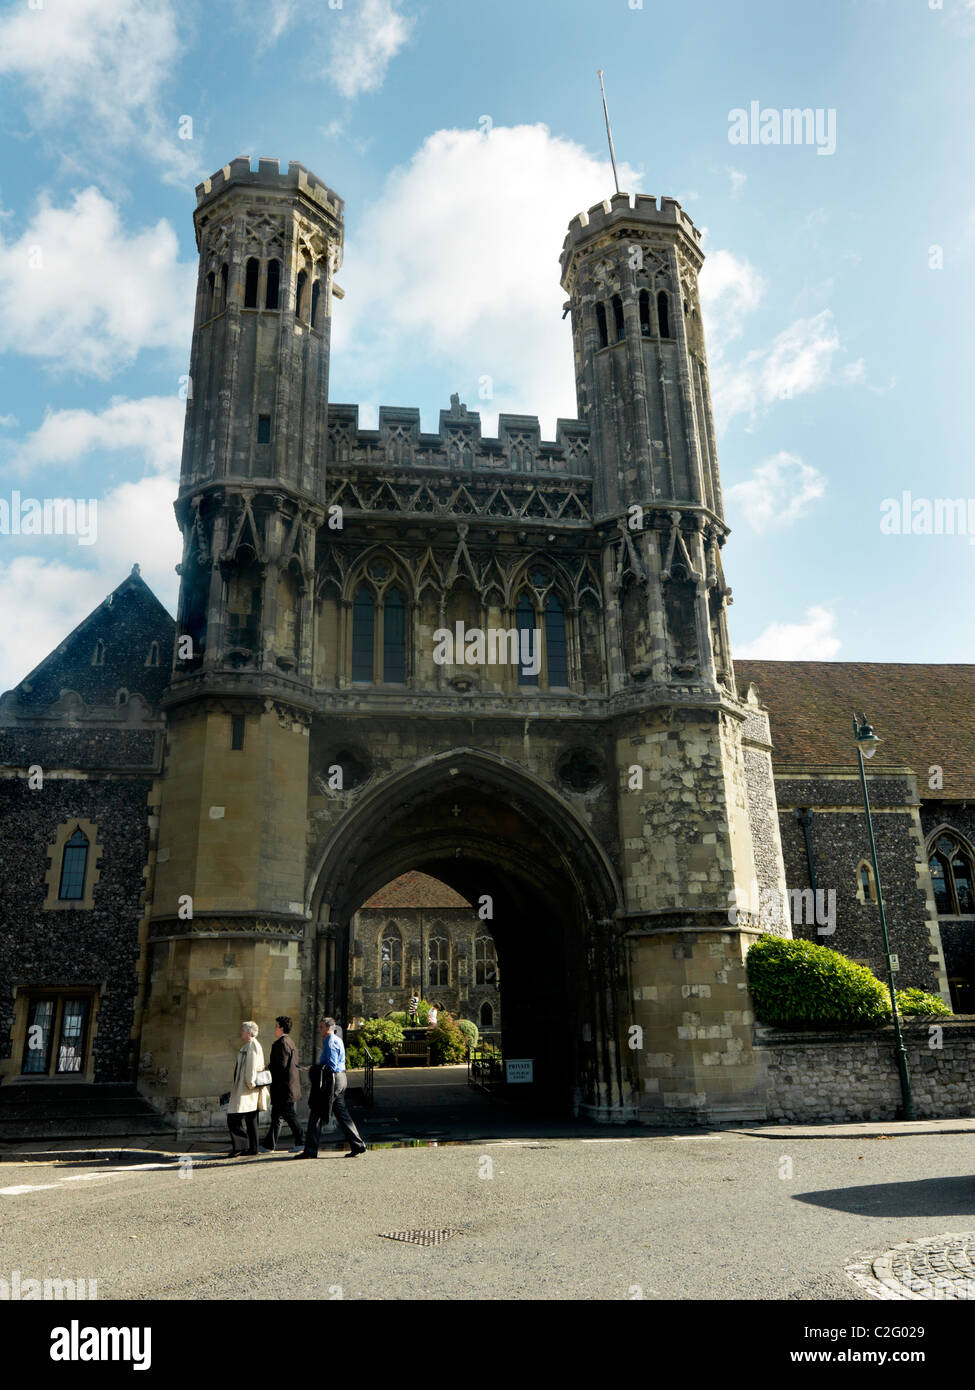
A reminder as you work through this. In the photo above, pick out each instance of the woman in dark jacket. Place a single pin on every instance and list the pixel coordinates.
(285, 1086)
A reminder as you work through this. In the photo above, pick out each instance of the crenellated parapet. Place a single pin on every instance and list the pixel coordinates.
(642, 212)
(268, 175)
(458, 445)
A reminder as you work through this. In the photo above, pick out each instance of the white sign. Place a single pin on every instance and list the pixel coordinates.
(894, 962)
(519, 1069)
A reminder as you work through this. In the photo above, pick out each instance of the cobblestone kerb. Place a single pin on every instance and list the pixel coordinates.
(934, 1269)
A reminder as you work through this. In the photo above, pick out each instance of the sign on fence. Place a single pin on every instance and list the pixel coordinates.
(519, 1069)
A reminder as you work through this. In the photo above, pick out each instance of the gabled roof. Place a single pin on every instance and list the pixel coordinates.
(128, 621)
(414, 889)
(923, 714)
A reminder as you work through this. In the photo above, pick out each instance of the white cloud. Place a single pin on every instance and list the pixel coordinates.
(811, 640)
(730, 288)
(83, 291)
(41, 601)
(91, 72)
(365, 43)
(473, 291)
(738, 180)
(799, 360)
(778, 492)
(151, 426)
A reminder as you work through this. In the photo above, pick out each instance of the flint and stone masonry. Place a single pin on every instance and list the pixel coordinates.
(296, 747)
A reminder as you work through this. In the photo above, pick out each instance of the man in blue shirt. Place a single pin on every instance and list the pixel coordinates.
(328, 1083)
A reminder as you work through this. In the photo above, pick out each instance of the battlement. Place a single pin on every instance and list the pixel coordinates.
(458, 444)
(268, 174)
(626, 207)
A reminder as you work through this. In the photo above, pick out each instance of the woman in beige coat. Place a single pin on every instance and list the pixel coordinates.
(246, 1098)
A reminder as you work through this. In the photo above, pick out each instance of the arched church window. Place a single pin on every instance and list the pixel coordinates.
(153, 658)
(439, 958)
(273, 288)
(663, 313)
(74, 864)
(251, 273)
(300, 289)
(645, 313)
(865, 883)
(953, 876)
(618, 321)
(98, 655)
(391, 958)
(525, 621)
(222, 296)
(556, 650)
(485, 962)
(601, 325)
(363, 634)
(487, 1015)
(316, 291)
(394, 638)
(211, 291)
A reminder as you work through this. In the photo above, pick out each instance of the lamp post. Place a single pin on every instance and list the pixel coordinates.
(866, 741)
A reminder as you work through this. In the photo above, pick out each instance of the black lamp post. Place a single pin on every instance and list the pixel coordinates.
(867, 741)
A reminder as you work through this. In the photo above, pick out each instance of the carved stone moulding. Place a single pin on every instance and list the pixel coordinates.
(228, 924)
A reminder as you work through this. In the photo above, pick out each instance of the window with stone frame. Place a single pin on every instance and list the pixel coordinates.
(866, 884)
(485, 962)
(57, 1033)
(438, 956)
(952, 867)
(74, 871)
(391, 957)
(379, 627)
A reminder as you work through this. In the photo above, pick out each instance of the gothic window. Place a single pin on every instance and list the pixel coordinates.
(62, 1016)
(438, 949)
(211, 290)
(250, 283)
(953, 875)
(273, 288)
(316, 291)
(601, 325)
(485, 962)
(300, 289)
(525, 622)
(74, 865)
(98, 656)
(363, 630)
(618, 322)
(263, 429)
(663, 313)
(222, 296)
(556, 651)
(236, 732)
(487, 1015)
(391, 958)
(866, 887)
(394, 638)
(153, 658)
(645, 313)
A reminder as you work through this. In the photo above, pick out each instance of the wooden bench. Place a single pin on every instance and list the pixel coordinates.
(413, 1053)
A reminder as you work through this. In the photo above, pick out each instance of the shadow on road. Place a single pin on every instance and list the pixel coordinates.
(923, 1197)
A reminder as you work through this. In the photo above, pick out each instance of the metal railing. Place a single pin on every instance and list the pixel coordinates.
(368, 1079)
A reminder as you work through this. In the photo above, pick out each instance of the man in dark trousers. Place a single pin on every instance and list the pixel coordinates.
(328, 1082)
(285, 1085)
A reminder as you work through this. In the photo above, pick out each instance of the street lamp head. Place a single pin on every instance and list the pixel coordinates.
(867, 740)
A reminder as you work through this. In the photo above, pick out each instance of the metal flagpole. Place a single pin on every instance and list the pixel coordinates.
(609, 133)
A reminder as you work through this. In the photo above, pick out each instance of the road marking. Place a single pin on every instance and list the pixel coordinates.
(103, 1176)
(607, 1141)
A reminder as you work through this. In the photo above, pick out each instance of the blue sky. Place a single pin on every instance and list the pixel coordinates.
(463, 136)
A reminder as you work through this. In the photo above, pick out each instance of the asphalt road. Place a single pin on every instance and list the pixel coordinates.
(702, 1216)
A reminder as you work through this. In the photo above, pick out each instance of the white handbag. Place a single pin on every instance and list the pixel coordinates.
(263, 1078)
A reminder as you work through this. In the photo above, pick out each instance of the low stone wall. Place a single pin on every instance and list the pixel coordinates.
(853, 1076)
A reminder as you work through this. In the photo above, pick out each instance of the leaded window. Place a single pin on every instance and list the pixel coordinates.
(391, 958)
(74, 863)
(953, 876)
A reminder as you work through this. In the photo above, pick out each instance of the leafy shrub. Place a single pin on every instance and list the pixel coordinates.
(447, 1042)
(383, 1037)
(917, 1003)
(469, 1030)
(802, 984)
(399, 1018)
(354, 1057)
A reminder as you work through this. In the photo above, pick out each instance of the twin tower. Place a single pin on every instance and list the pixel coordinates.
(603, 812)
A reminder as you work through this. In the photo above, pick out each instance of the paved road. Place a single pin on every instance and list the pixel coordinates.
(702, 1216)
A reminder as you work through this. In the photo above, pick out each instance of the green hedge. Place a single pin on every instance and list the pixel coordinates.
(382, 1036)
(917, 1003)
(469, 1030)
(802, 984)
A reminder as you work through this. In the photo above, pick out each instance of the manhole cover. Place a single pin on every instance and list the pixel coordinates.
(940, 1267)
(431, 1237)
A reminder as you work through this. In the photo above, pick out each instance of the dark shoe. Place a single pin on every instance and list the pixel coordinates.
(303, 1154)
(355, 1153)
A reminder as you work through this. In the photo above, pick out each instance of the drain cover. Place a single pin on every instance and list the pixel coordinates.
(939, 1267)
(428, 1237)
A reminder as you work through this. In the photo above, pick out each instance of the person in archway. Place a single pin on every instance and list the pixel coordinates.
(328, 1083)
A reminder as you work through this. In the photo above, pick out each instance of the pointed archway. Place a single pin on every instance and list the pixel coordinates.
(531, 866)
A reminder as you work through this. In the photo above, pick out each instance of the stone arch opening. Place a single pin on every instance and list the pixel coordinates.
(529, 865)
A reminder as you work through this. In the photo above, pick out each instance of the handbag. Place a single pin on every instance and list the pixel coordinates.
(263, 1078)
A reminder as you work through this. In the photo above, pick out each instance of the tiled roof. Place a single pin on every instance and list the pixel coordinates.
(924, 715)
(416, 890)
